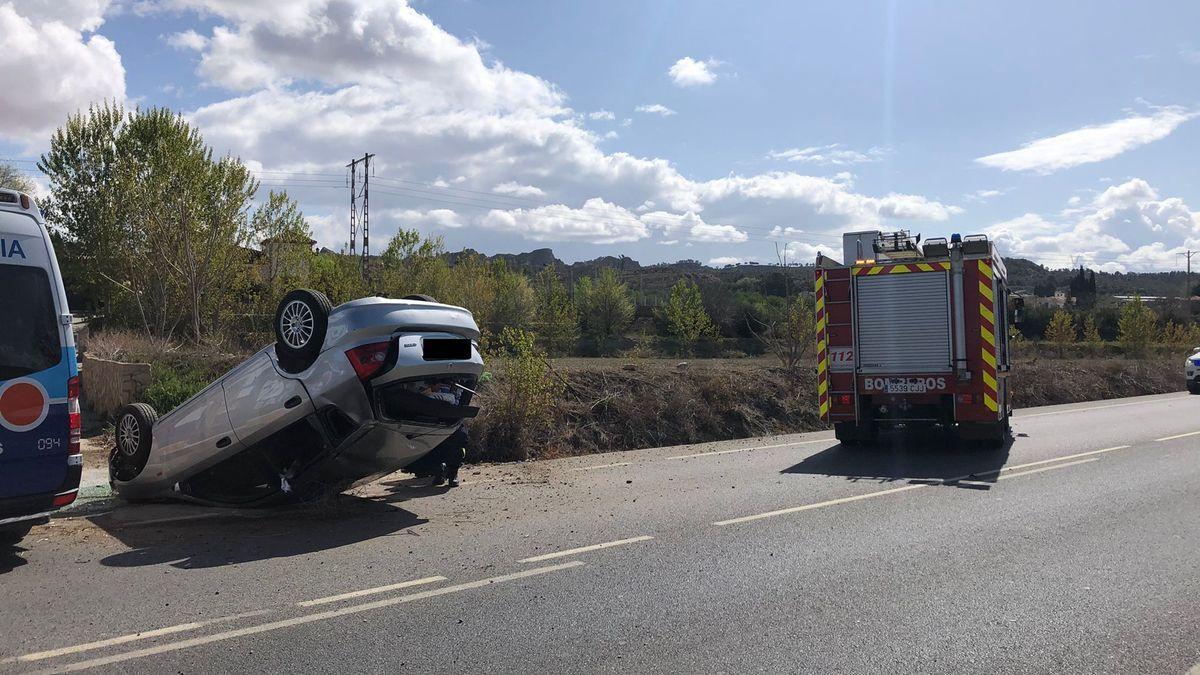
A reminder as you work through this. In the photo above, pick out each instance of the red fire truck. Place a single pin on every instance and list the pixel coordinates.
(912, 334)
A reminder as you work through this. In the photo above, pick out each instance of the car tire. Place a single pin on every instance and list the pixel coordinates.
(133, 436)
(419, 296)
(300, 324)
(11, 535)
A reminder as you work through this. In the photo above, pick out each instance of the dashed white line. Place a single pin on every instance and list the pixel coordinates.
(307, 618)
(1096, 407)
(1171, 438)
(585, 549)
(962, 479)
(370, 591)
(1030, 471)
(818, 505)
(133, 637)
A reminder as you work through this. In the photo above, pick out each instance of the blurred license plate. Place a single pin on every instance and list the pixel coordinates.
(905, 385)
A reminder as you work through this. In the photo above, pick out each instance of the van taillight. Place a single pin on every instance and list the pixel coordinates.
(74, 421)
(367, 359)
(25, 202)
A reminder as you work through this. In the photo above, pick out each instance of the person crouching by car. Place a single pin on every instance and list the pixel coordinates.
(450, 455)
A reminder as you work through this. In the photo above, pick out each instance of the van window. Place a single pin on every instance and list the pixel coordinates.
(29, 340)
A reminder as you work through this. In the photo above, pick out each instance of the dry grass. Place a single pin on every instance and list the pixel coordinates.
(622, 404)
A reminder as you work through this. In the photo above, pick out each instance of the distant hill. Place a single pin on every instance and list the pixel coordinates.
(651, 281)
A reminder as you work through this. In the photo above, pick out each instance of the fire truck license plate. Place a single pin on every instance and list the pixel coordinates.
(905, 385)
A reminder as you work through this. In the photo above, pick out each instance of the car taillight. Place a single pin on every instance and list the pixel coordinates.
(367, 359)
(74, 423)
(65, 498)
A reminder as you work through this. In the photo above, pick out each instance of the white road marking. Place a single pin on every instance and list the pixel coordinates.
(757, 447)
(1026, 473)
(585, 549)
(1171, 438)
(601, 466)
(818, 505)
(133, 637)
(370, 591)
(1096, 407)
(1052, 460)
(305, 619)
(961, 479)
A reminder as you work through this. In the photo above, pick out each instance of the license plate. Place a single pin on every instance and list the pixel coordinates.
(905, 385)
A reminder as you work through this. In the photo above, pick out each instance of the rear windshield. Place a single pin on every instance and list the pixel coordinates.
(28, 332)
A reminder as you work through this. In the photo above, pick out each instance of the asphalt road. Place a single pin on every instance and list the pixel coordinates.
(1076, 549)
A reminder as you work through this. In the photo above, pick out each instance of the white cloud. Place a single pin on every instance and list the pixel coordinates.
(1091, 143)
(517, 190)
(609, 135)
(1126, 227)
(688, 72)
(832, 154)
(50, 68)
(188, 39)
(655, 109)
(1190, 55)
(598, 222)
(982, 195)
(602, 115)
(724, 260)
(474, 134)
(626, 122)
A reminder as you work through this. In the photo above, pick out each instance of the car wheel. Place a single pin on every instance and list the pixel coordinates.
(419, 296)
(133, 435)
(300, 324)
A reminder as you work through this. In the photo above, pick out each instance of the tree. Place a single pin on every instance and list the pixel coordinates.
(154, 225)
(513, 300)
(1061, 331)
(1091, 333)
(606, 308)
(191, 209)
(412, 263)
(1136, 328)
(791, 335)
(15, 179)
(555, 316)
(86, 208)
(284, 237)
(685, 316)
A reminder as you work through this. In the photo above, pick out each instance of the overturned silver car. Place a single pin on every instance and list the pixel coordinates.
(345, 395)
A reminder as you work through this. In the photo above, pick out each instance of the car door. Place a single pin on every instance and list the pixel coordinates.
(262, 401)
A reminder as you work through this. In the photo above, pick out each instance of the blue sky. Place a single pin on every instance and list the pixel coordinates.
(1066, 130)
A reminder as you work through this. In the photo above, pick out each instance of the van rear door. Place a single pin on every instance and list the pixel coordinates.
(34, 435)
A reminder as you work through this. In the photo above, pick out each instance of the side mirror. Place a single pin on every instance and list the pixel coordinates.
(1017, 315)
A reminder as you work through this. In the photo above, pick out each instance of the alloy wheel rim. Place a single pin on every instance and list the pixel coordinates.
(128, 435)
(296, 324)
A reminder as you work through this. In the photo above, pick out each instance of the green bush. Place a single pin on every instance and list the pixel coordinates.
(170, 387)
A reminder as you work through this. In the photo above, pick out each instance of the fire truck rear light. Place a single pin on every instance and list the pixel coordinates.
(845, 399)
(970, 398)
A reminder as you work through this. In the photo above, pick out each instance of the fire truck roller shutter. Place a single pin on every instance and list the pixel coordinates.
(903, 323)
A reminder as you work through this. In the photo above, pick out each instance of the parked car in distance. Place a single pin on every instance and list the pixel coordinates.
(40, 460)
(1191, 370)
(345, 395)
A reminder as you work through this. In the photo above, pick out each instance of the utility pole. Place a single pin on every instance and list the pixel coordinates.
(363, 217)
(1188, 292)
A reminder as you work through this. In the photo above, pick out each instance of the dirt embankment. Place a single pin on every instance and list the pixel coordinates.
(614, 404)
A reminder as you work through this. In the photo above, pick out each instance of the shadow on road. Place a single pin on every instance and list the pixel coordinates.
(10, 558)
(211, 538)
(917, 458)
